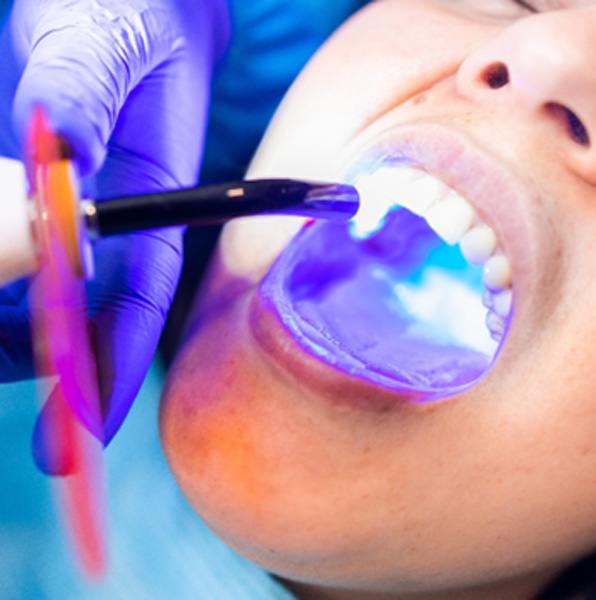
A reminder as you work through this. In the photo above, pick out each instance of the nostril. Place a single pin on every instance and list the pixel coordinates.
(496, 75)
(573, 124)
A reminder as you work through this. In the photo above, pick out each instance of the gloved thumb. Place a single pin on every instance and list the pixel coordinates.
(81, 64)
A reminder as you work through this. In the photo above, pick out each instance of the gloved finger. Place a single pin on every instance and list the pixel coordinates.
(129, 301)
(137, 277)
(16, 348)
(14, 293)
(81, 64)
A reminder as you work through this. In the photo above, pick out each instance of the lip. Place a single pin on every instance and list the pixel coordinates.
(502, 199)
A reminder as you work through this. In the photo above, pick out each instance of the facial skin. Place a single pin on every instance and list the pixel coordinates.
(488, 494)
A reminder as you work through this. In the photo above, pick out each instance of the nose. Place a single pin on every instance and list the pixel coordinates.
(543, 65)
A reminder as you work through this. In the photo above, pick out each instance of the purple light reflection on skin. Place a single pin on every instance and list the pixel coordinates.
(336, 297)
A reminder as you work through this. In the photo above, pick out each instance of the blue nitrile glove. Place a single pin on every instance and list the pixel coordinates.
(126, 83)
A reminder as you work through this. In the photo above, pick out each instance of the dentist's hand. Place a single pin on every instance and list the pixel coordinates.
(126, 83)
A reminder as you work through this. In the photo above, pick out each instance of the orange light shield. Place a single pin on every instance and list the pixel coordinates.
(63, 348)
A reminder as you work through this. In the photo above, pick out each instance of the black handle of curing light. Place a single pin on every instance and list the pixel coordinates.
(219, 203)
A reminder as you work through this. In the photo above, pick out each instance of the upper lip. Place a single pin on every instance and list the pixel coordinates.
(502, 199)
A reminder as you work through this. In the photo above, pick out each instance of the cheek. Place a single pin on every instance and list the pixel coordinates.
(239, 455)
(210, 439)
(250, 458)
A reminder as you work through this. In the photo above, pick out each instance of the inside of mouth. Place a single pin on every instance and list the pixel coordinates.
(399, 308)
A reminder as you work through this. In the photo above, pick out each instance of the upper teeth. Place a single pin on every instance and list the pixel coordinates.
(451, 217)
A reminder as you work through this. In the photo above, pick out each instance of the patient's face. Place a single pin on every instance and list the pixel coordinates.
(314, 423)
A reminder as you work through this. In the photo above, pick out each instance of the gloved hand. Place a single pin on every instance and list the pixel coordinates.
(126, 84)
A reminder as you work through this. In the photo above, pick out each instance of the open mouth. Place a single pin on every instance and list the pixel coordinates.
(414, 295)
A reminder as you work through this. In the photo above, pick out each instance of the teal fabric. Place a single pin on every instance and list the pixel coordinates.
(159, 548)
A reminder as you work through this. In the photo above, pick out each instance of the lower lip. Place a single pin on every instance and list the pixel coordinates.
(283, 353)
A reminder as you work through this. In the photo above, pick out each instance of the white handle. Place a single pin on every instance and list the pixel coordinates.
(17, 246)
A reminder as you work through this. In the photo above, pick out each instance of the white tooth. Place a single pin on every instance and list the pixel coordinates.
(495, 323)
(451, 217)
(496, 336)
(488, 299)
(379, 192)
(502, 303)
(386, 181)
(497, 273)
(478, 244)
(420, 193)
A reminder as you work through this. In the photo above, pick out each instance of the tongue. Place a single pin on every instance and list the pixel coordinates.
(337, 297)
